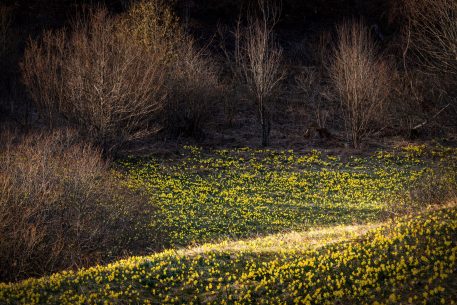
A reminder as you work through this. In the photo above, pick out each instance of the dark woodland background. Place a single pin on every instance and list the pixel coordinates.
(304, 29)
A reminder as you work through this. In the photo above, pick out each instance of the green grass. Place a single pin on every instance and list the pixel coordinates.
(264, 227)
(208, 196)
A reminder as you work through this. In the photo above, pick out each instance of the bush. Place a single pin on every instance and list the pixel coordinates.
(153, 24)
(314, 96)
(60, 207)
(192, 77)
(431, 34)
(360, 78)
(98, 81)
(195, 91)
(433, 31)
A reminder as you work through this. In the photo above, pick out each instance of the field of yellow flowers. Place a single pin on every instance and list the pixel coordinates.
(409, 261)
(208, 196)
(265, 227)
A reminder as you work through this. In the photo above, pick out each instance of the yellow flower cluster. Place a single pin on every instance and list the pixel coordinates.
(409, 261)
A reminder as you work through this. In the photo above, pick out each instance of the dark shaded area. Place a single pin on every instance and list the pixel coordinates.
(300, 25)
(294, 10)
(39, 14)
(31, 17)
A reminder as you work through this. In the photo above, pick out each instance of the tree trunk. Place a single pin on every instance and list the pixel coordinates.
(265, 124)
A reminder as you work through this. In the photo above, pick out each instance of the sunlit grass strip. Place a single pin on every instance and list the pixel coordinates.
(288, 241)
(411, 260)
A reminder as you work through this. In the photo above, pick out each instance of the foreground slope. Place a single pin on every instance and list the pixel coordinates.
(410, 260)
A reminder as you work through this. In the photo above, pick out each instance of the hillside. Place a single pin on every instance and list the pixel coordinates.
(266, 227)
(409, 261)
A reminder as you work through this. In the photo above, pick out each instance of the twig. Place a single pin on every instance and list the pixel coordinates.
(432, 118)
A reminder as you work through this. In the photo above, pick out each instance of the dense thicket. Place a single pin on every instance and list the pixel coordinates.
(62, 207)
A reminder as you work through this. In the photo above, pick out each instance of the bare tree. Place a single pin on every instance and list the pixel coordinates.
(192, 76)
(259, 58)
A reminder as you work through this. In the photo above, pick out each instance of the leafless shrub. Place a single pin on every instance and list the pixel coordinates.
(407, 110)
(195, 88)
(259, 59)
(96, 80)
(43, 75)
(153, 24)
(318, 105)
(314, 91)
(437, 186)
(433, 34)
(361, 80)
(191, 75)
(60, 207)
(308, 83)
(421, 105)
(234, 80)
(313, 94)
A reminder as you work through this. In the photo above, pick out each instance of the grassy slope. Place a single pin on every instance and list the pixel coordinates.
(406, 261)
(339, 251)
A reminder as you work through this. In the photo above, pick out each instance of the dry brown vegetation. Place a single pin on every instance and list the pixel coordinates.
(154, 25)
(120, 80)
(425, 53)
(195, 91)
(192, 77)
(433, 34)
(61, 207)
(361, 78)
(96, 80)
(316, 96)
